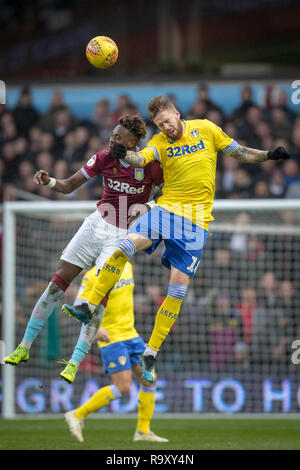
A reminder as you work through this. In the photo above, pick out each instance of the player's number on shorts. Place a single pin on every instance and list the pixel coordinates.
(193, 267)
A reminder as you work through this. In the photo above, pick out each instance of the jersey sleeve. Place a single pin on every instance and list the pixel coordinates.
(94, 165)
(156, 173)
(222, 141)
(151, 152)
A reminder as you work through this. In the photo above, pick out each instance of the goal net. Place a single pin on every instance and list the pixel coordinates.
(233, 348)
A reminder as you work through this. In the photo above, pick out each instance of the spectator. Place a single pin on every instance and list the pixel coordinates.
(295, 147)
(281, 126)
(239, 239)
(203, 96)
(45, 160)
(266, 336)
(215, 116)
(10, 159)
(100, 113)
(290, 303)
(123, 105)
(291, 172)
(230, 165)
(247, 130)
(243, 183)
(25, 114)
(261, 190)
(277, 186)
(282, 101)
(198, 110)
(47, 120)
(247, 309)
(224, 331)
(247, 102)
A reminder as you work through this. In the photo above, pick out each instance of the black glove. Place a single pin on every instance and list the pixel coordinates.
(278, 154)
(118, 151)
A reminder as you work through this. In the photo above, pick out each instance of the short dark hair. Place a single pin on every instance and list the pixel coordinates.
(157, 104)
(135, 124)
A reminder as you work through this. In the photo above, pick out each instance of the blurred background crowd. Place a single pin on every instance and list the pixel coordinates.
(59, 143)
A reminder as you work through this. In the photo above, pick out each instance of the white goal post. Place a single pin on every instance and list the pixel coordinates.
(224, 212)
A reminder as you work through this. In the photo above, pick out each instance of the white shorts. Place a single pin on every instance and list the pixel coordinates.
(94, 242)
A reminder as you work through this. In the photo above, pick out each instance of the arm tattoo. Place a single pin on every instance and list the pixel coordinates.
(134, 158)
(248, 155)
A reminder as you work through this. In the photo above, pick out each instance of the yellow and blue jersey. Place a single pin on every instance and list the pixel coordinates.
(118, 319)
(189, 168)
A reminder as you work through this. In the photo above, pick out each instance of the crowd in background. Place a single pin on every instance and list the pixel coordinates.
(57, 142)
(226, 319)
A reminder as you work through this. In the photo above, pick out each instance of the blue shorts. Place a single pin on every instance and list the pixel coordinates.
(122, 355)
(184, 240)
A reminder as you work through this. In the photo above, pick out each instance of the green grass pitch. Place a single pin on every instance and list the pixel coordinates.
(183, 434)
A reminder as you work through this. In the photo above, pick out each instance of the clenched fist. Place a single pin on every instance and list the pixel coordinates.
(41, 177)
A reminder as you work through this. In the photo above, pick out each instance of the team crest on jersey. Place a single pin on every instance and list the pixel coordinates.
(115, 170)
(139, 174)
(194, 133)
(122, 360)
(91, 161)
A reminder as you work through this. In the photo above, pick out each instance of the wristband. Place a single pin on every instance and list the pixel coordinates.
(51, 183)
(151, 204)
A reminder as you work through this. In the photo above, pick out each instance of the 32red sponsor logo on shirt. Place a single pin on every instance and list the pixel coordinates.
(124, 187)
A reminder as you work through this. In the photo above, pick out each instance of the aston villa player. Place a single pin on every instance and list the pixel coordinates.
(98, 237)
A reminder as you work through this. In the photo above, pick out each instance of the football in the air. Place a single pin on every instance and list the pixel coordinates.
(102, 52)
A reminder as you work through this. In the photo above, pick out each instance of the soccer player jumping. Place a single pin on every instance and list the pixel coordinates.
(99, 235)
(187, 151)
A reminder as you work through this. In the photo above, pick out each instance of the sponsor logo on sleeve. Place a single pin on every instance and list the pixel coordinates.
(91, 161)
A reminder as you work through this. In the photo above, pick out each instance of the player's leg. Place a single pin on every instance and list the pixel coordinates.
(164, 320)
(121, 382)
(42, 310)
(146, 405)
(114, 265)
(79, 254)
(111, 272)
(182, 255)
(88, 331)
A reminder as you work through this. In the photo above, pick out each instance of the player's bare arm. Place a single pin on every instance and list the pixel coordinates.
(65, 186)
(249, 155)
(134, 158)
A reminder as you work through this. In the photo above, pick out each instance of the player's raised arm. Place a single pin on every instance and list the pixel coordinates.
(249, 155)
(65, 186)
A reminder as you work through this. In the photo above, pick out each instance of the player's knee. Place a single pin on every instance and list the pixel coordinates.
(177, 291)
(124, 387)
